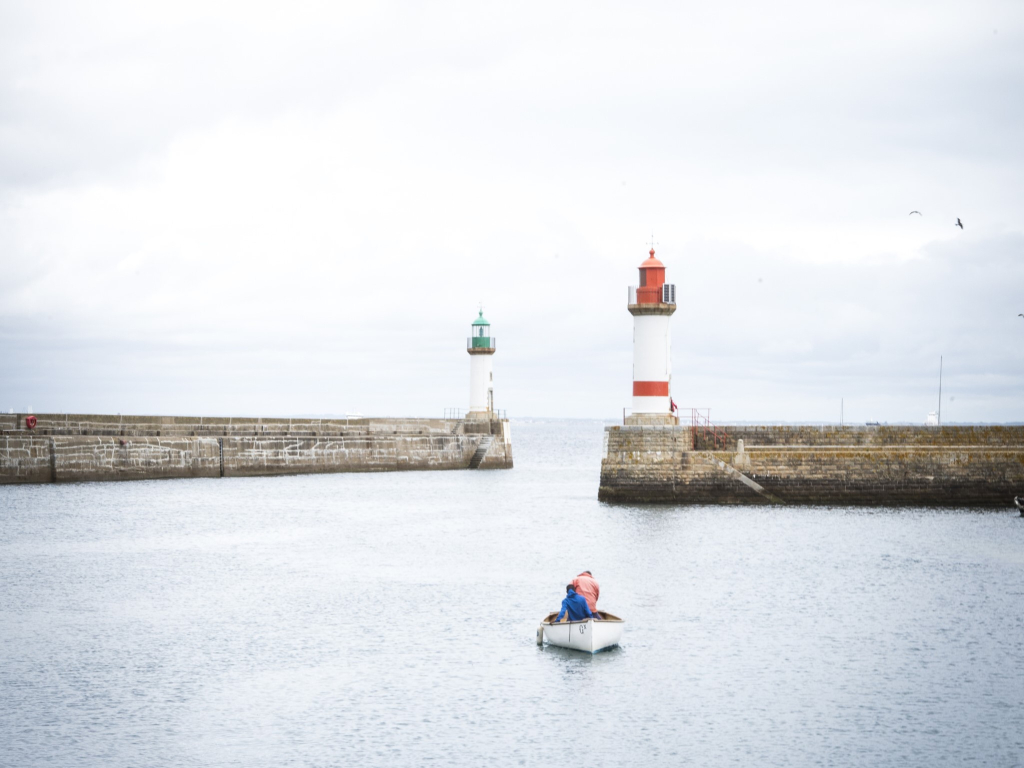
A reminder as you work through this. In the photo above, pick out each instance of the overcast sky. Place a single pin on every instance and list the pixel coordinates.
(271, 209)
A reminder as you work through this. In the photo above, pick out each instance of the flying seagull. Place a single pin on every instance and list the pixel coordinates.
(913, 212)
(959, 224)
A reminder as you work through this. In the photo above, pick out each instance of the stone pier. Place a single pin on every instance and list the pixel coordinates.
(830, 465)
(70, 448)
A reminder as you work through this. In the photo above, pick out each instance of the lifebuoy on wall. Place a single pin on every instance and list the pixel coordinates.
(30, 422)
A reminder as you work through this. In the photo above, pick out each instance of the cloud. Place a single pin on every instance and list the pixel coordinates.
(241, 207)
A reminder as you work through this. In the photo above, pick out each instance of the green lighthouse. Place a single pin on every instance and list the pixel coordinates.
(480, 346)
(481, 333)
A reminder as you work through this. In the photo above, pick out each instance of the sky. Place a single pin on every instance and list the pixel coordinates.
(273, 209)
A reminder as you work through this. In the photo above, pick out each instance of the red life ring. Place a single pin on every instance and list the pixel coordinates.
(30, 422)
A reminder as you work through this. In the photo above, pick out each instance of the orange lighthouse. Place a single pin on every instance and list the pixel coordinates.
(652, 304)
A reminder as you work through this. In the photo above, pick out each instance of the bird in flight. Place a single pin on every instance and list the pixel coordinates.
(959, 224)
(913, 212)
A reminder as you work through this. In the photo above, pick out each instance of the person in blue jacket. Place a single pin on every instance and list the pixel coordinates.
(574, 606)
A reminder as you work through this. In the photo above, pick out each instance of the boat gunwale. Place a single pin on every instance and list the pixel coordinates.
(550, 622)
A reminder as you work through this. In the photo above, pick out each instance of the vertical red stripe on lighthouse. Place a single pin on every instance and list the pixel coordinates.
(650, 389)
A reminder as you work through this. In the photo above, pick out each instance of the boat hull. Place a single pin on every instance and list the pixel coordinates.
(589, 636)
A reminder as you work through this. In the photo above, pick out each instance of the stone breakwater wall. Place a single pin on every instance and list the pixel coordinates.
(858, 466)
(76, 448)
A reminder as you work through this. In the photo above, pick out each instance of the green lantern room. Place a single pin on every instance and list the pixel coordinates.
(480, 334)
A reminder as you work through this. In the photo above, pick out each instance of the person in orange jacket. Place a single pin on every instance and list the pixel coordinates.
(586, 585)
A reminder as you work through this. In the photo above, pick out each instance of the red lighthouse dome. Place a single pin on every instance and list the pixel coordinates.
(652, 277)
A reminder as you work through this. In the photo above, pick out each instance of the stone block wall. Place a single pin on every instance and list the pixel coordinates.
(499, 454)
(24, 460)
(70, 448)
(373, 453)
(876, 466)
(135, 458)
(195, 426)
(861, 436)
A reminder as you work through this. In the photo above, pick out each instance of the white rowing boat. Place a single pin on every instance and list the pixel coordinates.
(586, 635)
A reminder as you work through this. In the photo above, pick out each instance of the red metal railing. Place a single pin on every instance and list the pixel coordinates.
(700, 424)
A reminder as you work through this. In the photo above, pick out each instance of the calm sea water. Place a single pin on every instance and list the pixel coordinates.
(389, 619)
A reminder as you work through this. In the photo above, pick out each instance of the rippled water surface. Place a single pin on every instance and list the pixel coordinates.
(389, 619)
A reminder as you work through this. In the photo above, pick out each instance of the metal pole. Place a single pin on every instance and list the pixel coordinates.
(940, 390)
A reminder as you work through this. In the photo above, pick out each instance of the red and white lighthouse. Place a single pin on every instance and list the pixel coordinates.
(652, 304)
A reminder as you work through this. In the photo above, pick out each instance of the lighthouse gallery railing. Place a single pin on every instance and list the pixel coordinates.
(668, 294)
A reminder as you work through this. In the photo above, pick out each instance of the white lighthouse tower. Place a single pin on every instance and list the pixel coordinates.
(480, 346)
(652, 304)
